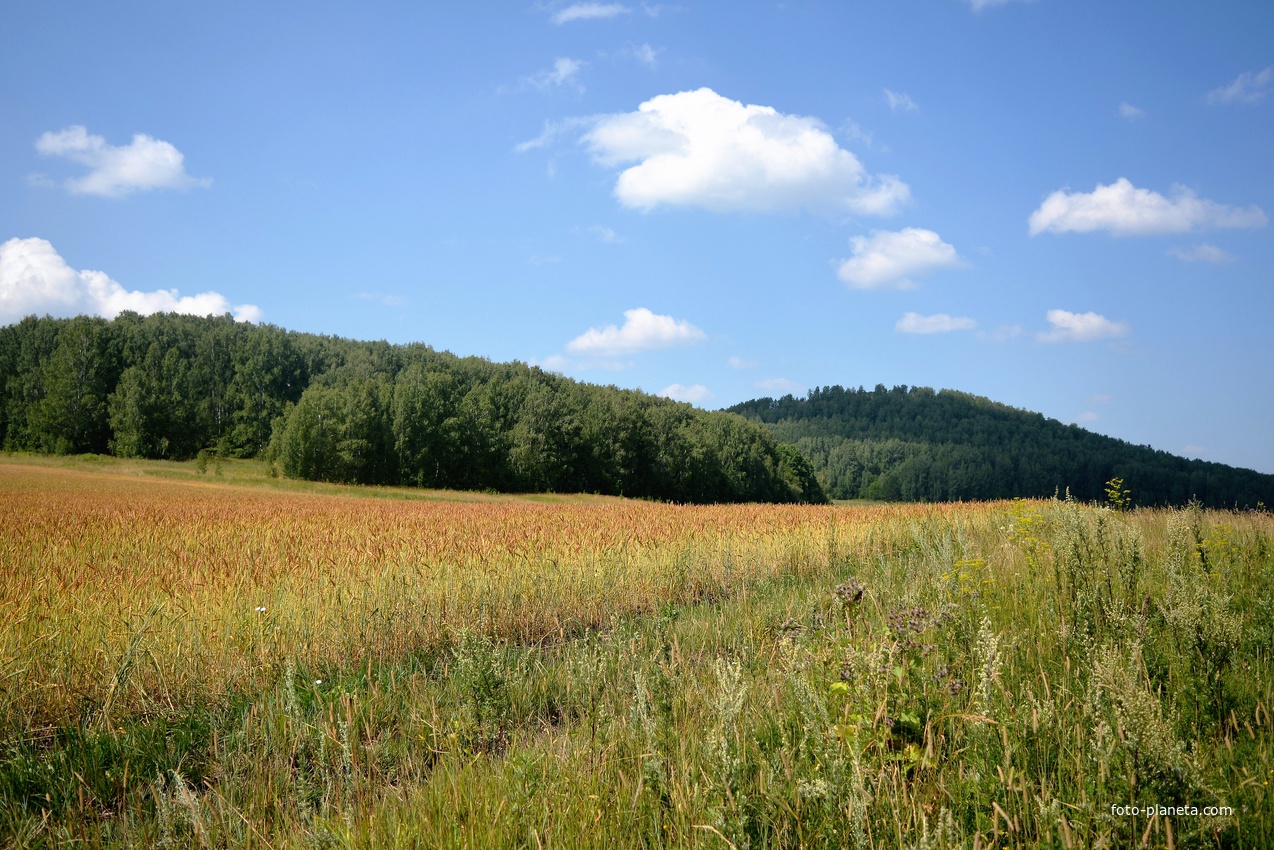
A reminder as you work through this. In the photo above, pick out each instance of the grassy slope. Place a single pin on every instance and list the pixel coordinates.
(1010, 672)
(257, 473)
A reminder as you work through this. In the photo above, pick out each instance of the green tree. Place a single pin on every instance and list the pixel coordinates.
(424, 425)
(798, 475)
(26, 348)
(151, 413)
(70, 416)
(304, 440)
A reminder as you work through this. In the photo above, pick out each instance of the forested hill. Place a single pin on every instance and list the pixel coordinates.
(324, 408)
(918, 444)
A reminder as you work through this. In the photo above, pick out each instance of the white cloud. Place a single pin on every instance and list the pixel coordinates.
(552, 363)
(1248, 87)
(146, 163)
(644, 53)
(886, 259)
(697, 148)
(552, 129)
(1127, 110)
(979, 5)
(853, 131)
(742, 363)
(564, 70)
(34, 279)
(1088, 417)
(914, 323)
(1124, 210)
(695, 393)
(900, 101)
(602, 233)
(642, 331)
(1080, 327)
(589, 12)
(780, 386)
(1202, 253)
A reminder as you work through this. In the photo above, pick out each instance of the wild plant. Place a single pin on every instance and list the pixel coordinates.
(178, 813)
(990, 663)
(653, 783)
(1099, 563)
(1144, 750)
(725, 762)
(1202, 630)
(482, 720)
(1117, 497)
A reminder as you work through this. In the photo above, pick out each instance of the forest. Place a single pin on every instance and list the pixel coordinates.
(918, 444)
(331, 409)
(324, 408)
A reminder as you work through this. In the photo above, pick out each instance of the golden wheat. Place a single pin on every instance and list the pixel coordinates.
(130, 595)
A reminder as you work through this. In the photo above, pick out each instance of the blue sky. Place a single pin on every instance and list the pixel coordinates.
(1063, 206)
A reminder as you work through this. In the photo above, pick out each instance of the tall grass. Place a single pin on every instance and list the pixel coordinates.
(197, 665)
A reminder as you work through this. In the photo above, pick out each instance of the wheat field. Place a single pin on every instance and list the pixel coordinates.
(195, 659)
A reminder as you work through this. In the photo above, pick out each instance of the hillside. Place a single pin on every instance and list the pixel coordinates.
(330, 409)
(916, 444)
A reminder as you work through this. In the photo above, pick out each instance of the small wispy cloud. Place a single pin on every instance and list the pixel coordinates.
(854, 132)
(1248, 87)
(643, 53)
(900, 101)
(115, 170)
(1087, 417)
(603, 234)
(589, 12)
(551, 131)
(736, 362)
(1205, 253)
(1080, 327)
(552, 363)
(1127, 110)
(979, 5)
(564, 71)
(642, 331)
(780, 386)
(914, 323)
(694, 394)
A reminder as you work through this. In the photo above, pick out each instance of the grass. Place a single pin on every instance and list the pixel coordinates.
(602, 673)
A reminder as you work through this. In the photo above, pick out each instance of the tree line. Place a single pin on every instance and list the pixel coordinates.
(916, 444)
(333, 409)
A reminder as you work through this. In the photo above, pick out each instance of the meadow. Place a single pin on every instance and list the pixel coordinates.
(211, 657)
